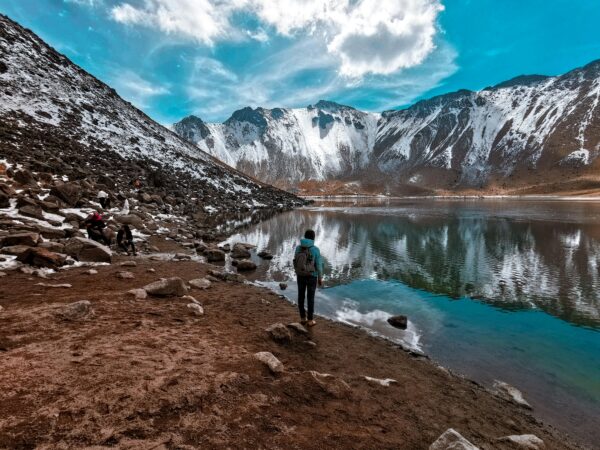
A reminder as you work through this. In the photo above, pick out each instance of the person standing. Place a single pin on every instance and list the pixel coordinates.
(308, 265)
(104, 199)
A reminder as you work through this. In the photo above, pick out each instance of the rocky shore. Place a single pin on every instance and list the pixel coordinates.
(168, 351)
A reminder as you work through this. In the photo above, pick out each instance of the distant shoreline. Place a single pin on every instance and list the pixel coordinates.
(542, 197)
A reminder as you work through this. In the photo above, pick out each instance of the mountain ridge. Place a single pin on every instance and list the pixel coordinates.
(506, 138)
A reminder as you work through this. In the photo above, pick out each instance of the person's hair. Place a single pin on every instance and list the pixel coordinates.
(126, 227)
(309, 234)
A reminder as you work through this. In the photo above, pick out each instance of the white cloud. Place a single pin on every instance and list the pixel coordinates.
(136, 89)
(364, 36)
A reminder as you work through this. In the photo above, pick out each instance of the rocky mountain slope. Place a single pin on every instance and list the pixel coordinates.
(62, 124)
(529, 134)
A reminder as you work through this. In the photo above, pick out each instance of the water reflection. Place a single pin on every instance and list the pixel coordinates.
(513, 255)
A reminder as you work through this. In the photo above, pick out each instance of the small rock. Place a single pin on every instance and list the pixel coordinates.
(139, 294)
(1, 308)
(510, 393)
(200, 283)
(2, 274)
(526, 441)
(182, 257)
(226, 248)
(381, 381)
(334, 386)
(77, 310)
(452, 440)
(49, 285)
(245, 265)
(125, 275)
(91, 272)
(189, 298)
(167, 287)
(279, 333)
(283, 286)
(128, 264)
(151, 270)
(269, 360)
(212, 279)
(400, 322)
(197, 310)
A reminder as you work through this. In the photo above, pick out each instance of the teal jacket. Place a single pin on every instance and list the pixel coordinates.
(315, 252)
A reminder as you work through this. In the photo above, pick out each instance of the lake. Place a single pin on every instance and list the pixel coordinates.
(493, 289)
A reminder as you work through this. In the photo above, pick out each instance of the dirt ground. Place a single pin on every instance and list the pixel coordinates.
(147, 374)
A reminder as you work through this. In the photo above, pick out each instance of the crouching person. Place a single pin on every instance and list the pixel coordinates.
(125, 239)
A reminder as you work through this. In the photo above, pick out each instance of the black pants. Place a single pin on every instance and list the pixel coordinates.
(105, 202)
(125, 246)
(306, 288)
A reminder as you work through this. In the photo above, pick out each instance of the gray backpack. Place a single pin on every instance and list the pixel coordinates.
(304, 262)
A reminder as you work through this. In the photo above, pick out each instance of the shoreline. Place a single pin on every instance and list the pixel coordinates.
(206, 363)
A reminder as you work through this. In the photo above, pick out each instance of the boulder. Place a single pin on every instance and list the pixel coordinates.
(226, 248)
(125, 275)
(70, 193)
(226, 276)
(76, 311)
(214, 255)
(41, 257)
(167, 287)
(196, 309)
(452, 440)
(51, 233)
(131, 219)
(24, 177)
(265, 255)
(28, 239)
(138, 294)
(400, 322)
(200, 283)
(283, 286)
(279, 333)
(245, 265)
(15, 250)
(268, 359)
(86, 250)
(4, 200)
(32, 211)
(524, 441)
(510, 393)
(239, 251)
(7, 190)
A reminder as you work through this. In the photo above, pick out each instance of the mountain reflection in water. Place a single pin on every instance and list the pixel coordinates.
(513, 255)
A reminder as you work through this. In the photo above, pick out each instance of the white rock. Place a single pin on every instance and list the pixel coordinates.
(381, 381)
(125, 275)
(139, 294)
(197, 310)
(91, 272)
(2, 274)
(167, 287)
(269, 359)
(526, 441)
(452, 440)
(200, 283)
(189, 298)
(510, 393)
(1, 308)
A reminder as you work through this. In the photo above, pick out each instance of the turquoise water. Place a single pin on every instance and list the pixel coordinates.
(493, 290)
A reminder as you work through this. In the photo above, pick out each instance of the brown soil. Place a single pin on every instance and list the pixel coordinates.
(148, 374)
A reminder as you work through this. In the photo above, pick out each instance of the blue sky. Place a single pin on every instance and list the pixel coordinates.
(173, 58)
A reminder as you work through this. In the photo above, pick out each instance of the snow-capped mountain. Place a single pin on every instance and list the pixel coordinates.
(529, 131)
(57, 118)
